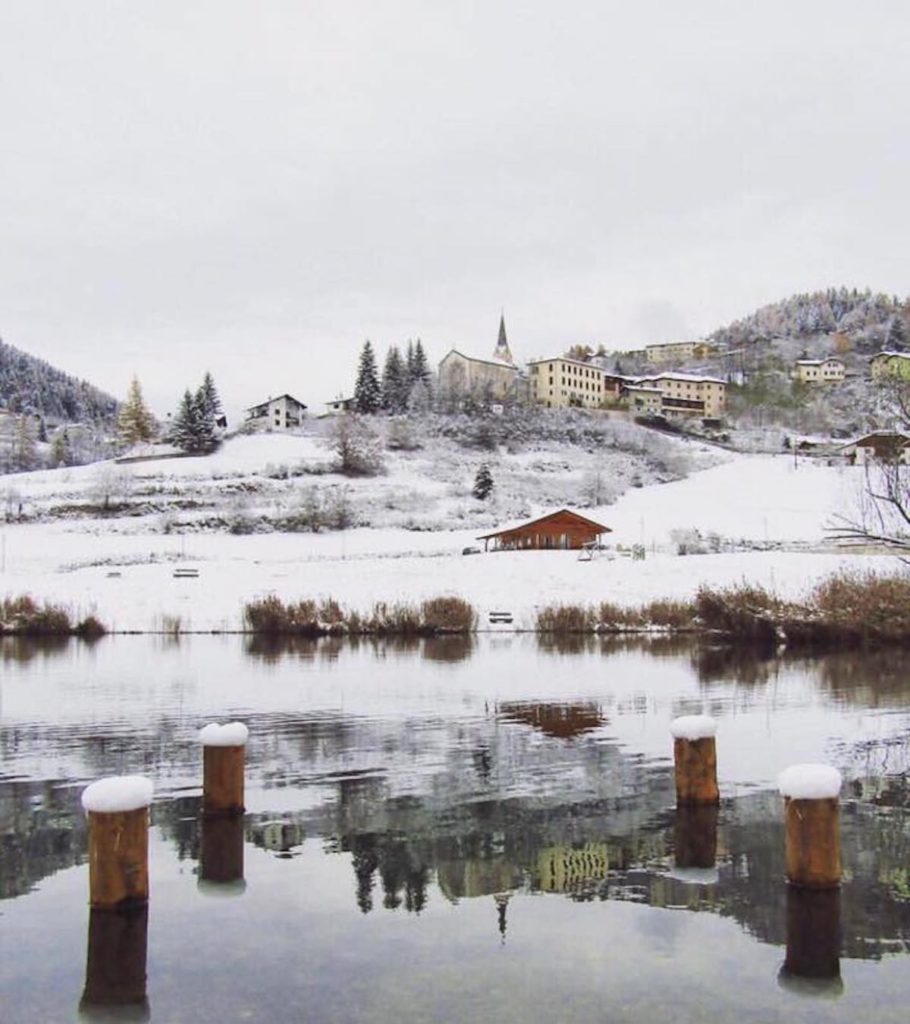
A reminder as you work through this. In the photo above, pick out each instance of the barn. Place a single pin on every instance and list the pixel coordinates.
(557, 530)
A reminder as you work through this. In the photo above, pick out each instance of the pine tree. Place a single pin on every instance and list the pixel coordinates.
(394, 382)
(483, 483)
(135, 423)
(367, 391)
(209, 400)
(186, 432)
(24, 454)
(420, 372)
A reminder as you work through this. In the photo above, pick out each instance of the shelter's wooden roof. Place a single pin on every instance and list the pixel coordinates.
(579, 519)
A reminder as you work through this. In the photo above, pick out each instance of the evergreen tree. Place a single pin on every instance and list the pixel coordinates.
(186, 432)
(483, 483)
(24, 454)
(209, 400)
(135, 423)
(367, 390)
(419, 372)
(897, 334)
(394, 382)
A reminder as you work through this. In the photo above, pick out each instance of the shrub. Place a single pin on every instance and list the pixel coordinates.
(447, 615)
(671, 614)
(25, 617)
(746, 610)
(565, 618)
(91, 628)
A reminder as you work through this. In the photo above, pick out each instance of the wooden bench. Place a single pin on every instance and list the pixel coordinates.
(503, 617)
(186, 574)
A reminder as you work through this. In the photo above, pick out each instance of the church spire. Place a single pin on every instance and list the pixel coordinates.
(502, 352)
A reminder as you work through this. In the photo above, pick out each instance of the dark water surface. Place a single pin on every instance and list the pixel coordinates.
(452, 831)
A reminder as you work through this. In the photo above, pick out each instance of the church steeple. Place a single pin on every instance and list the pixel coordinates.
(502, 352)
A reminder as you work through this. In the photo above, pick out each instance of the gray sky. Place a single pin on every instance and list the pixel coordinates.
(255, 188)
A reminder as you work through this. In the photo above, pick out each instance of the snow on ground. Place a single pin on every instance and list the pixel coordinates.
(126, 578)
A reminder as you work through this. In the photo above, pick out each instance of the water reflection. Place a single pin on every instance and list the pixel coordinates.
(812, 965)
(457, 769)
(115, 969)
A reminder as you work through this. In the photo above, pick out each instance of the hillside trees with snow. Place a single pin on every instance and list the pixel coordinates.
(356, 445)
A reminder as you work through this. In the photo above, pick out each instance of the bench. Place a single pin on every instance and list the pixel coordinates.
(500, 617)
(186, 574)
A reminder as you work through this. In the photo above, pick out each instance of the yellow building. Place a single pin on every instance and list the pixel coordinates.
(890, 364)
(686, 394)
(819, 371)
(643, 400)
(561, 383)
(677, 352)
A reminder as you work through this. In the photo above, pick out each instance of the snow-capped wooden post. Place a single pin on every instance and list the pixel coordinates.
(224, 748)
(115, 965)
(695, 755)
(118, 840)
(811, 792)
(813, 941)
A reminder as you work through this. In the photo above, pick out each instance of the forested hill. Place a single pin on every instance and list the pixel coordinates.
(865, 321)
(30, 385)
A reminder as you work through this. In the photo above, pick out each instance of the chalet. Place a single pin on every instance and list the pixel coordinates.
(819, 371)
(340, 405)
(890, 364)
(558, 530)
(280, 413)
(891, 446)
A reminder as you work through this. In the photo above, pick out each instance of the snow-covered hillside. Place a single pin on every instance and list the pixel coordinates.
(121, 566)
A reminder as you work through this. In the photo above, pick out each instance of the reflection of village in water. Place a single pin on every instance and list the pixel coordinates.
(527, 799)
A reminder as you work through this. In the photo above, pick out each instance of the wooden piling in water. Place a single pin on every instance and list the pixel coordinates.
(695, 759)
(695, 836)
(118, 816)
(221, 860)
(813, 825)
(224, 755)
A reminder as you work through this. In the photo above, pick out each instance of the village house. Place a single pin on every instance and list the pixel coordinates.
(890, 364)
(643, 400)
(890, 446)
(339, 405)
(688, 395)
(677, 352)
(464, 375)
(819, 371)
(562, 529)
(562, 383)
(281, 413)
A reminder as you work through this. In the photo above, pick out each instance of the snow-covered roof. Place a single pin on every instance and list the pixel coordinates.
(476, 359)
(527, 523)
(868, 440)
(888, 354)
(818, 362)
(691, 377)
(574, 362)
(277, 398)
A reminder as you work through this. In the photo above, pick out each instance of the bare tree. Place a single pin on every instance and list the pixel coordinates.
(357, 447)
(882, 515)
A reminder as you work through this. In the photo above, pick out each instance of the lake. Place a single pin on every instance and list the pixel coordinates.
(475, 829)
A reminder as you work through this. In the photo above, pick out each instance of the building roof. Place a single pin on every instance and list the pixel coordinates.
(475, 359)
(575, 362)
(276, 398)
(596, 527)
(692, 377)
(888, 354)
(885, 436)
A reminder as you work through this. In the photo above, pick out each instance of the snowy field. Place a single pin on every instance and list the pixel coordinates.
(121, 569)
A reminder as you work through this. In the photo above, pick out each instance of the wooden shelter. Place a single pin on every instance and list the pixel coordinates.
(562, 529)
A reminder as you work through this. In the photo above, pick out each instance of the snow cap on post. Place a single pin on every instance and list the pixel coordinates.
(809, 782)
(117, 794)
(693, 727)
(232, 734)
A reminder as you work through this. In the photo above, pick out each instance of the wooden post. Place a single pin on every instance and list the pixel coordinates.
(115, 967)
(224, 748)
(118, 817)
(695, 757)
(813, 825)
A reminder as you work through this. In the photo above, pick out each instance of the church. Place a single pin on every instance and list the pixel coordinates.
(496, 377)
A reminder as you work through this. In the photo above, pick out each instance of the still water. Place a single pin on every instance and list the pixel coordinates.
(461, 830)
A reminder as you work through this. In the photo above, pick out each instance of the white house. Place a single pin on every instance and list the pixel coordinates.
(281, 413)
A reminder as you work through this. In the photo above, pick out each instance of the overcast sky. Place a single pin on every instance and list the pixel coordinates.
(255, 188)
